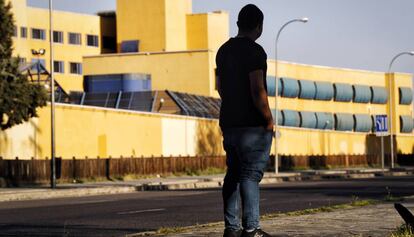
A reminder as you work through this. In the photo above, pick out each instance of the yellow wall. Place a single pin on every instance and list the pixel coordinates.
(207, 30)
(142, 20)
(92, 132)
(341, 143)
(63, 21)
(185, 71)
(176, 24)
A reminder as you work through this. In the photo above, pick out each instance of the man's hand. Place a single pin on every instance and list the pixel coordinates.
(270, 125)
(259, 96)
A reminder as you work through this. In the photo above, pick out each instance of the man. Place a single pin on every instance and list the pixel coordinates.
(246, 123)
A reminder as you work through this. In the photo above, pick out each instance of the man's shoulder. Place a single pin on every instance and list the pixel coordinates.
(259, 49)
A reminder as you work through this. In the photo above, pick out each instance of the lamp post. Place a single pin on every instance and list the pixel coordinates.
(38, 53)
(303, 20)
(411, 53)
(52, 98)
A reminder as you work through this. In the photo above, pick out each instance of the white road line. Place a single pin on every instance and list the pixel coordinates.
(140, 211)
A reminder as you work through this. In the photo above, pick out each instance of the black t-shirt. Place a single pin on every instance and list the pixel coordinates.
(235, 60)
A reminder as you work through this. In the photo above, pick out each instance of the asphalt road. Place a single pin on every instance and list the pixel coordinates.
(117, 215)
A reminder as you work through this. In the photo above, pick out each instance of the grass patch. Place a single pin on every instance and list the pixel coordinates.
(391, 198)
(208, 171)
(175, 230)
(352, 204)
(403, 231)
(131, 177)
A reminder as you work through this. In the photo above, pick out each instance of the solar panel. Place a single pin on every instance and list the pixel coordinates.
(150, 101)
(140, 101)
(195, 105)
(107, 100)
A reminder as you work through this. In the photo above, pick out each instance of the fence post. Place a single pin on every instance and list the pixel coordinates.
(108, 167)
(73, 168)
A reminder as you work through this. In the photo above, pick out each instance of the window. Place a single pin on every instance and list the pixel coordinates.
(23, 32)
(75, 68)
(75, 38)
(37, 66)
(109, 42)
(58, 66)
(15, 31)
(38, 34)
(58, 37)
(22, 61)
(92, 40)
(130, 46)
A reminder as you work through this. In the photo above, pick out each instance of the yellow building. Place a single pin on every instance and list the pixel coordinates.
(75, 35)
(161, 48)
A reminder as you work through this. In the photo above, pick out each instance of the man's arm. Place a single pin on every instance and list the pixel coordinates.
(259, 96)
(218, 84)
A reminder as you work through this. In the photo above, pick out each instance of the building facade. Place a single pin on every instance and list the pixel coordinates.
(160, 45)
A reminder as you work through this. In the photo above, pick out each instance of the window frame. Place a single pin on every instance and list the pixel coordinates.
(15, 31)
(23, 32)
(61, 34)
(61, 66)
(79, 68)
(95, 40)
(79, 37)
(41, 31)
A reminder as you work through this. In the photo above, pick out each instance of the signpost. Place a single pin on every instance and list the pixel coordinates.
(381, 130)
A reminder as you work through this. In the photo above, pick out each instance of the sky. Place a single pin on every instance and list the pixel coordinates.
(357, 34)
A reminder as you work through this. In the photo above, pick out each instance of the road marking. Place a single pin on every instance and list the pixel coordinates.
(140, 211)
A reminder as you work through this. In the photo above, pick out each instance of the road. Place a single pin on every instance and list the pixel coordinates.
(117, 215)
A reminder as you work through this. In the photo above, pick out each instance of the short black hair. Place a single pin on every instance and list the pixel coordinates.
(250, 16)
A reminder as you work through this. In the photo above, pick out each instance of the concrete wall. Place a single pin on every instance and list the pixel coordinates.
(92, 132)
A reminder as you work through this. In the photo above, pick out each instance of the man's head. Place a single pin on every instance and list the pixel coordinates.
(250, 20)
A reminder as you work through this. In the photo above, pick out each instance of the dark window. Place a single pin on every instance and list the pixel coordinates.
(23, 32)
(15, 31)
(75, 68)
(92, 40)
(22, 61)
(109, 42)
(59, 67)
(58, 37)
(38, 34)
(130, 46)
(75, 38)
(37, 66)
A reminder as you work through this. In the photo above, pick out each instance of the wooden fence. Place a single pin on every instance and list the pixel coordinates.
(38, 171)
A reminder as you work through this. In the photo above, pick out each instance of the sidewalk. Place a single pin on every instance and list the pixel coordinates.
(375, 221)
(185, 183)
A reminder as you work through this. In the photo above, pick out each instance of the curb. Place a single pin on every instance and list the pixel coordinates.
(196, 183)
(20, 195)
(273, 179)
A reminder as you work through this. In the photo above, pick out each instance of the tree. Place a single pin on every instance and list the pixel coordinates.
(19, 98)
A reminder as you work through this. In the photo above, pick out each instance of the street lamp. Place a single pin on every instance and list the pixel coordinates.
(410, 53)
(52, 102)
(302, 20)
(38, 53)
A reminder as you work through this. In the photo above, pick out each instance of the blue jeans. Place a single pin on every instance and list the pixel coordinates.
(247, 150)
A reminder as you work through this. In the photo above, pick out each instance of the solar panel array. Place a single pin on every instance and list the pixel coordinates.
(150, 101)
(195, 105)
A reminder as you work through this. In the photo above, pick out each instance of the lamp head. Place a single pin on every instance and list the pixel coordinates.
(304, 20)
(411, 53)
(34, 52)
(42, 51)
